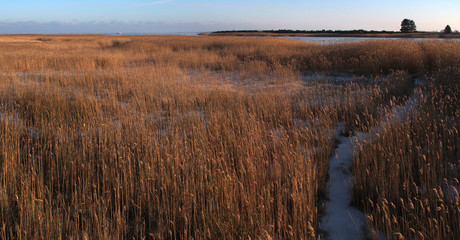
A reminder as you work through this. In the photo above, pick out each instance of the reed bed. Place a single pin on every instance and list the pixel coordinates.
(172, 137)
(408, 179)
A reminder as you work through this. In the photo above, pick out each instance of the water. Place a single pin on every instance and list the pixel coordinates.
(334, 40)
(164, 34)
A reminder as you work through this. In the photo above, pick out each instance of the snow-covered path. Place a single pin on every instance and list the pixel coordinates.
(342, 221)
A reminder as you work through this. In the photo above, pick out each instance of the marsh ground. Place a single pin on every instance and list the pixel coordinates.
(174, 137)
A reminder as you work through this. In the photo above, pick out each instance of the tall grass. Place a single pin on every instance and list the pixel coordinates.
(163, 137)
(408, 179)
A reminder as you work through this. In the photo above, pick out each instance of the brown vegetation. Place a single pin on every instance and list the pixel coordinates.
(408, 179)
(171, 137)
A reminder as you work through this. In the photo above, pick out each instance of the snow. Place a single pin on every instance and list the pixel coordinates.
(402, 113)
(342, 221)
(14, 119)
(335, 77)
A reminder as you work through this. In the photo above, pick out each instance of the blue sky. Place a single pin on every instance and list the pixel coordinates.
(163, 16)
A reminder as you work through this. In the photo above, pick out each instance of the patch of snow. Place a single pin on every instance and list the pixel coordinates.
(14, 119)
(338, 77)
(402, 113)
(342, 221)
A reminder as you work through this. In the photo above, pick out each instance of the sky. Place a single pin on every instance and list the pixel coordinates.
(180, 16)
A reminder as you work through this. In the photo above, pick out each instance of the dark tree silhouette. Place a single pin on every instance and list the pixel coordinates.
(447, 29)
(408, 26)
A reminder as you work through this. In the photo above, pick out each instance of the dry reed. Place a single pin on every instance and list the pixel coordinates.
(171, 137)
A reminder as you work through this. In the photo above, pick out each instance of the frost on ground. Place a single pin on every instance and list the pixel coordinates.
(342, 221)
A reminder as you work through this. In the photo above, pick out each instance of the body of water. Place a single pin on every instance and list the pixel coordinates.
(164, 34)
(333, 40)
(320, 40)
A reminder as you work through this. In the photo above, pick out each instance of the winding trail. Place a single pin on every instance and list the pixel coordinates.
(342, 221)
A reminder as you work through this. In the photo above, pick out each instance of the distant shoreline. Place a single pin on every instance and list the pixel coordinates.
(353, 33)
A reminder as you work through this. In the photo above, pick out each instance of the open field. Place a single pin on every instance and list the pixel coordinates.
(174, 137)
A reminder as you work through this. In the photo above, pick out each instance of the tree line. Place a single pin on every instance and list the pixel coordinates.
(407, 26)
